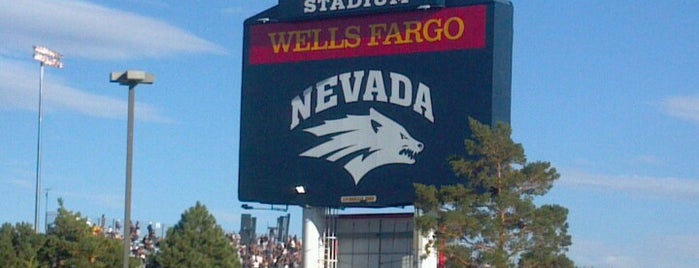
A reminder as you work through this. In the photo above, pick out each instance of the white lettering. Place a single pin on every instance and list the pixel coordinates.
(309, 6)
(313, 6)
(423, 102)
(396, 81)
(325, 98)
(352, 4)
(372, 89)
(351, 91)
(337, 5)
(323, 6)
(302, 108)
(375, 89)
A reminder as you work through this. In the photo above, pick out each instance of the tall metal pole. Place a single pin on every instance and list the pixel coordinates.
(131, 79)
(46, 211)
(129, 160)
(37, 198)
(51, 58)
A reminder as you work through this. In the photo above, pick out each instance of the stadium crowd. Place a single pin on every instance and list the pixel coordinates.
(267, 252)
(263, 252)
(141, 248)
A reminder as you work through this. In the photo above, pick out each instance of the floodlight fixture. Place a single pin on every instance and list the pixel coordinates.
(132, 78)
(48, 57)
(47, 52)
(300, 189)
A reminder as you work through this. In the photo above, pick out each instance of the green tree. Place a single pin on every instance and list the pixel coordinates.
(196, 241)
(71, 243)
(490, 217)
(549, 228)
(19, 245)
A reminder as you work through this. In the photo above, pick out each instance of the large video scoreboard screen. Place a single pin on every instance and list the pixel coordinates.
(357, 108)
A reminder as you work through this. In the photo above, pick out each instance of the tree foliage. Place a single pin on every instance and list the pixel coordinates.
(71, 243)
(19, 245)
(196, 241)
(490, 219)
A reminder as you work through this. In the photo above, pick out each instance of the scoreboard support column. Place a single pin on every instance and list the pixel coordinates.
(313, 222)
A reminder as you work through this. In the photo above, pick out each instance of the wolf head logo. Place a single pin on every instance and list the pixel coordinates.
(368, 141)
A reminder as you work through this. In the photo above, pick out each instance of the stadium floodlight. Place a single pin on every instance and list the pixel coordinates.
(51, 58)
(129, 78)
(48, 57)
(47, 52)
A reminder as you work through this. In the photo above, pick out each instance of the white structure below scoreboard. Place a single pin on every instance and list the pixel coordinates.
(364, 240)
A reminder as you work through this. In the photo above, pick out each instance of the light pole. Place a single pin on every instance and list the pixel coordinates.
(51, 58)
(129, 78)
(46, 210)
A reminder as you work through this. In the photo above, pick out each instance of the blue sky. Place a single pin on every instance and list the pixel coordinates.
(607, 91)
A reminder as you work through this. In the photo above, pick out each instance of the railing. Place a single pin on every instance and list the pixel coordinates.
(329, 259)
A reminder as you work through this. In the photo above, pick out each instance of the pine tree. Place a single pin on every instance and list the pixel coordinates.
(72, 244)
(549, 228)
(196, 241)
(19, 245)
(490, 219)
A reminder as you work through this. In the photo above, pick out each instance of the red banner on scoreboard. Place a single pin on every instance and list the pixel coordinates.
(386, 34)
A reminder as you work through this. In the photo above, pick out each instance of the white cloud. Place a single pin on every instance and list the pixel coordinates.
(15, 177)
(24, 184)
(17, 91)
(620, 262)
(684, 107)
(225, 218)
(100, 106)
(103, 200)
(592, 253)
(679, 247)
(652, 251)
(673, 188)
(20, 91)
(82, 29)
(648, 160)
(234, 10)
